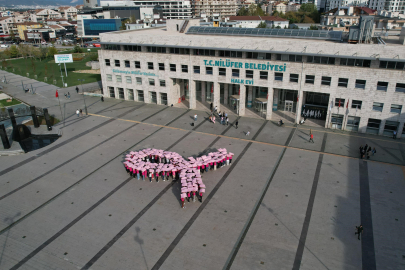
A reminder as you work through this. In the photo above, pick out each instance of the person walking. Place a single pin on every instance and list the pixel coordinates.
(81, 112)
(248, 133)
(361, 151)
(77, 89)
(311, 138)
(195, 117)
(102, 99)
(227, 120)
(68, 95)
(359, 231)
(365, 147)
(216, 109)
(211, 107)
(236, 124)
(368, 154)
(394, 134)
(373, 151)
(78, 113)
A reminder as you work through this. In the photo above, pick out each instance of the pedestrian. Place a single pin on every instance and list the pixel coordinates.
(102, 99)
(394, 135)
(368, 154)
(213, 119)
(222, 120)
(227, 120)
(78, 113)
(68, 95)
(216, 109)
(150, 176)
(195, 117)
(77, 89)
(226, 115)
(248, 133)
(369, 149)
(311, 138)
(361, 151)
(220, 114)
(359, 231)
(365, 147)
(236, 124)
(211, 107)
(183, 196)
(81, 112)
(201, 194)
(373, 151)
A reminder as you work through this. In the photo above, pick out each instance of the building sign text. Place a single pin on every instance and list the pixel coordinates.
(233, 64)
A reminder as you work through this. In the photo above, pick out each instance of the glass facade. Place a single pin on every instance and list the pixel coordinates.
(97, 26)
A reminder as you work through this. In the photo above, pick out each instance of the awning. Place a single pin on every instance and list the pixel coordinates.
(261, 100)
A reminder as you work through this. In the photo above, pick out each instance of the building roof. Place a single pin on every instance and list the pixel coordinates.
(4, 18)
(56, 20)
(367, 10)
(63, 8)
(56, 26)
(28, 23)
(256, 18)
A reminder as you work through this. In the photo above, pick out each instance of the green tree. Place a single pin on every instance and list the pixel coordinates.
(13, 51)
(123, 26)
(12, 35)
(132, 19)
(308, 19)
(77, 49)
(262, 25)
(308, 8)
(52, 51)
(242, 12)
(313, 27)
(7, 53)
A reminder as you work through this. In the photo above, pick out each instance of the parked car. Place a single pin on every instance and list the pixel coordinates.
(4, 46)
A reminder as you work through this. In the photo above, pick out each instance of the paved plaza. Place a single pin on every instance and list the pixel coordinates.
(283, 203)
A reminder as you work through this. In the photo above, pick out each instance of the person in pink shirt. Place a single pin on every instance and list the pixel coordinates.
(157, 177)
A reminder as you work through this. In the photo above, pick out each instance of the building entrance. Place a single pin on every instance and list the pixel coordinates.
(288, 107)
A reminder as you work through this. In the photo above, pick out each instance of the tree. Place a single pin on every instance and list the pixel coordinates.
(52, 51)
(242, 12)
(77, 49)
(307, 20)
(12, 35)
(132, 19)
(313, 27)
(123, 26)
(308, 8)
(262, 25)
(7, 53)
(13, 51)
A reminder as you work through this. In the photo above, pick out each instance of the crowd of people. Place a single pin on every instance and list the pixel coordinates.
(366, 151)
(154, 164)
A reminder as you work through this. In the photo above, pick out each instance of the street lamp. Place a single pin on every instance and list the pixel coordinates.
(61, 74)
(84, 100)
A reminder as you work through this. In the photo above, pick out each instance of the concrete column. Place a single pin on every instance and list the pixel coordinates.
(363, 124)
(158, 98)
(192, 94)
(216, 96)
(226, 87)
(270, 101)
(242, 100)
(250, 96)
(400, 128)
(380, 132)
(299, 106)
(203, 89)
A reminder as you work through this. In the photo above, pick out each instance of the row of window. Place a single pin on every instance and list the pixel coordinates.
(355, 62)
(278, 76)
(128, 79)
(377, 106)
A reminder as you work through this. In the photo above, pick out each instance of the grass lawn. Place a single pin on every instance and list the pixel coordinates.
(48, 68)
(4, 103)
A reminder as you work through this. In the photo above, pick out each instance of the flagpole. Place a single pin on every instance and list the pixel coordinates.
(61, 114)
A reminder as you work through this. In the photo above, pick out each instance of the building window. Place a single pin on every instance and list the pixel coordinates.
(204, 52)
(360, 84)
(162, 83)
(339, 102)
(179, 51)
(109, 77)
(137, 64)
(400, 87)
(196, 69)
(382, 86)
(184, 68)
(235, 73)
(117, 63)
(352, 123)
(396, 108)
(128, 79)
(326, 80)
(378, 106)
(127, 64)
(355, 62)
(132, 48)
(256, 55)
(173, 67)
(139, 80)
(230, 54)
(356, 104)
(208, 70)
(310, 79)
(249, 74)
(114, 47)
(161, 66)
(373, 126)
(321, 60)
(112, 91)
(150, 65)
(222, 72)
(152, 82)
(289, 57)
(343, 82)
(107, 62)
(392, 65)
(278, 76)
(156, 49)
(264, 75)
(294, 78)
(119, 78)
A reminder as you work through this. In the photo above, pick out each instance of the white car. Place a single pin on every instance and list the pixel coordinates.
(4, 46)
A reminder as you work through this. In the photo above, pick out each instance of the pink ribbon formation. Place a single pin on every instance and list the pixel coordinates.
(155, 163)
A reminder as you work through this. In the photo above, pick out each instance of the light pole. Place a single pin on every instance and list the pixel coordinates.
(84, 100)
(61, 74)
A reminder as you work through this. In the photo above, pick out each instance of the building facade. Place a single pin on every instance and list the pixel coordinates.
(351, 87)
(209, 7)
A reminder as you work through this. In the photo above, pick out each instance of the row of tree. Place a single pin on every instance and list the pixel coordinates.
(27, 51)
(308, 13)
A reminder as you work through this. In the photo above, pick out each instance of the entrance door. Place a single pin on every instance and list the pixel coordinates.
(288, 107)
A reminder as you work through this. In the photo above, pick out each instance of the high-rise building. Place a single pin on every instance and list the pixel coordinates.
(210, 7)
